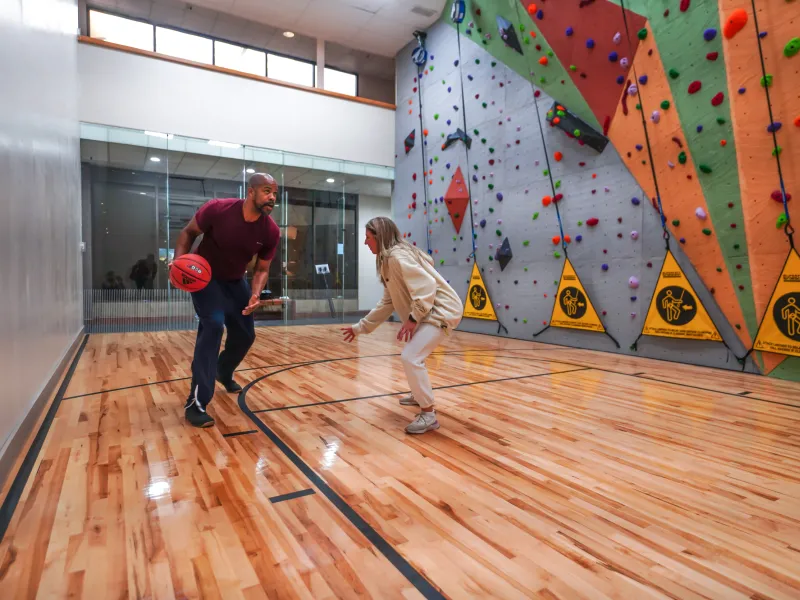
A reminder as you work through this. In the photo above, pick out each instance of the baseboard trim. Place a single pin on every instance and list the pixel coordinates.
(16, 446)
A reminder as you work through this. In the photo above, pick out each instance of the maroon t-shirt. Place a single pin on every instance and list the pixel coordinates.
(229, 242)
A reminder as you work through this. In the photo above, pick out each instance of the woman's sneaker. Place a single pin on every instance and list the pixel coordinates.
(425, 421)
(408, 400)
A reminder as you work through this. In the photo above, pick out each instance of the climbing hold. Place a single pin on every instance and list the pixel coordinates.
(558, 156)
(613, 57)
(704, 168)
(569, 31)
(723, 143)
(623, 62)
(673, 73)
(742, 90)
(591, 222)
(535, 216)
(632, 90)
(778, 196)
(694, 87)
(665, 104)
(604, 267)
(635, 201)
(633, 282)
(556, 240)
(546, 201)
(792, 47)
(699, 128)
(777, 151)
(721, 121)
(773, 127)
(590, 43)
(642, 33)
(483, 223)
(706, 231)
(639, 147)
(684, 5)
(436, 117)
(700, 213)
(734, 23)
(543, 61)
(617, 38)
(766, 81)
(620, 79)
(709, 34)
(670, 164)
(643, 79)
(682, 158)
(498, 232)
(712, 56)
(781, 221)
(717, 100)
(676, 222)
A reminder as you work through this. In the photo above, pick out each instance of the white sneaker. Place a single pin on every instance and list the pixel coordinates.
(409, 400)
(425, 421)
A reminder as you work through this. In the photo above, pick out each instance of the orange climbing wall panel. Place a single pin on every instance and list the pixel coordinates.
(681, 193)
(758, 174)
(600, 21)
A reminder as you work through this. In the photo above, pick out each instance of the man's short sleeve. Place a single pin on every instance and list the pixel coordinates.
(270, 246)
(205, 216)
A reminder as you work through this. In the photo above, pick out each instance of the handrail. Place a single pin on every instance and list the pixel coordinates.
(83, 39)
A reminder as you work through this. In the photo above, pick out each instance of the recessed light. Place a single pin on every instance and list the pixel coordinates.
(155, 159)
(330, 180)
(251, 170)
(288, 34)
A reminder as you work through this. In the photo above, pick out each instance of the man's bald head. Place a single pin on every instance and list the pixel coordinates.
(261, 192)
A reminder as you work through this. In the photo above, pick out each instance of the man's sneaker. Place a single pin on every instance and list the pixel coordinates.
(196, 414)
(425, 421)
(230, 385)
(408, 400)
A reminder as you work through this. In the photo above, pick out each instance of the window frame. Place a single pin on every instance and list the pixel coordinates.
(302, 60)
(346, 73)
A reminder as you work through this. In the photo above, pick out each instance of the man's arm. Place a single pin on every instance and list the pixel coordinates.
(187, 237)
(260, 275)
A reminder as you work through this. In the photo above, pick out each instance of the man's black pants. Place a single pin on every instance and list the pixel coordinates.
(219, 305)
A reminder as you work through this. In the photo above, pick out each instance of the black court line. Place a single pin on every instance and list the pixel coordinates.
(292, 496)
(21, 478)
(293, 364)
(238, 433)
(686, 385)
(442, 387)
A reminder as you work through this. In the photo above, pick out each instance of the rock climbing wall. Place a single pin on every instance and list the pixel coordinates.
(677, 88)
(615, 237)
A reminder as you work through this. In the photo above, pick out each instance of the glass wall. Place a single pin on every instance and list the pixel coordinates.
(140, 189)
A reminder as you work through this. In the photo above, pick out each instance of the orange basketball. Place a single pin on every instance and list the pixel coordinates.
(190, 273)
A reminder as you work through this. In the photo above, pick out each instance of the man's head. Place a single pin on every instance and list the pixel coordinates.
(262, 189)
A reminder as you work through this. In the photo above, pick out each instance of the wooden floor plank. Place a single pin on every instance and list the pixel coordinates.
(557, 473)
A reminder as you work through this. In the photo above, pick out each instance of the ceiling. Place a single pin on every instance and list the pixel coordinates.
(376, 27)
(202, 167)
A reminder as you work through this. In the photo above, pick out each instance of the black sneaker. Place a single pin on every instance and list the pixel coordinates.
(230, 385)
(196, 414)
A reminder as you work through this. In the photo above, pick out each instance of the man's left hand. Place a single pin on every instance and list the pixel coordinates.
(253, 304)
(407, 331)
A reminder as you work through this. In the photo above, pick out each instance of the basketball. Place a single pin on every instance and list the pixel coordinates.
(190, 273)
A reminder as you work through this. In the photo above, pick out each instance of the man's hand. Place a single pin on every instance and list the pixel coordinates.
(407, 331)
(349, 334)
(252, 305)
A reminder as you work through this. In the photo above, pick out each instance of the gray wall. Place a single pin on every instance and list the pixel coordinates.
(40, 208)
(516, 174)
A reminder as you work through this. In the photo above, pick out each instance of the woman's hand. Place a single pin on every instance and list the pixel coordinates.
(349, 334)
(406, 331)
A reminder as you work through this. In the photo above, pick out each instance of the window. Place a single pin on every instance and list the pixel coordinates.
(288, 69)
(184, 45)
(239, 58)
(119, 30)
(341, 82)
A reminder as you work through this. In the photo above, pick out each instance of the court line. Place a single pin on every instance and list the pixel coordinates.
(413, 576)
(443, 387)
(238, 433)
(292, 495)
(21, 478)
(294, 364)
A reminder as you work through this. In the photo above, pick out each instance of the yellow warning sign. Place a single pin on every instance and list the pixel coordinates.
(573, 309)
(675, 310)
(780, 328)
(478, 304)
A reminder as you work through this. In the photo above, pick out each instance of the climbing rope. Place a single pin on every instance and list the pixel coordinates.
(788, 229)
(644, 125)
(424, 162)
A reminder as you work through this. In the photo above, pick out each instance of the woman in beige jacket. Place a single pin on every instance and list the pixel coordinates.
(424, 301)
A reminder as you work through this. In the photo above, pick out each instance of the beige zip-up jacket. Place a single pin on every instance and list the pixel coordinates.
(415, 288)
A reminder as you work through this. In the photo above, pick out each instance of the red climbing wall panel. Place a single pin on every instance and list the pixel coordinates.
(457, 199)
(600, 21)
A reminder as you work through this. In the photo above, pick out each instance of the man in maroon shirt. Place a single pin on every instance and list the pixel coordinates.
(233, 231)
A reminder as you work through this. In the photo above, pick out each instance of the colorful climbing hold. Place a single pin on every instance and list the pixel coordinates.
(734, 23)
(709, 34)
(613, 56)
(665, 104)
(604, 267)
(717, 99)
(773, 127)
(676, 222)
(634, 235)
(694, 87)
(706, 232)
(766, 81)
(642, 33)
(704, 168)
(633, 282)
(684, 6)
(673, 73)
(778, 196)
(712, 56)
(558, 156)
(590, 43)
(792, 47)
(635, 201)
(682, 158)
(591, 222)
(700, 213)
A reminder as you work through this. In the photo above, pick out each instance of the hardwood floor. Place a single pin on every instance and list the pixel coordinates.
(557, 473)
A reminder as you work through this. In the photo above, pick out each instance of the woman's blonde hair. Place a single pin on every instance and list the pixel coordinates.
(388, 236)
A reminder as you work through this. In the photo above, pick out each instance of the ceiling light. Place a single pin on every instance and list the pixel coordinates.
(330, 180)
(223, 144)
(251, 171)
(166, 136)
(155, 159)
(288, 34)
